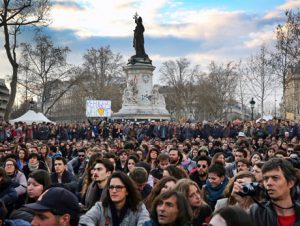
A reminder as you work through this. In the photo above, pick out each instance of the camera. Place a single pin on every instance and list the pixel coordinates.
(250, 189)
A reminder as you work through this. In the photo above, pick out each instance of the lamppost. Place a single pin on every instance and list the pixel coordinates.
(252, 103)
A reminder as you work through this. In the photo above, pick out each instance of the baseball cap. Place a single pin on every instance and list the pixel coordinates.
(57, 199)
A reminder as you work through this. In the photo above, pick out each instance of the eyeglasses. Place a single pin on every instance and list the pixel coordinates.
(81, 156)
(290, 150)
(201, 166)
(117, 187)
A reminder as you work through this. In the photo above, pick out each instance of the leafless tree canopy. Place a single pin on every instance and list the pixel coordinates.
(260, 76)
(102, 78)
(287, 52)
(191, 92)
(14, 14)
(45, 71)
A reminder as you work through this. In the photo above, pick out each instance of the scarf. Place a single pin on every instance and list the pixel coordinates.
(117, 219)
(217, 192)
(33, 167)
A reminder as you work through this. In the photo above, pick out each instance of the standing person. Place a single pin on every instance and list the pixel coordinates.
(279, 178)
(170, 208)
(103, 168)
(121, 206)
(57, 206)
(62, 176)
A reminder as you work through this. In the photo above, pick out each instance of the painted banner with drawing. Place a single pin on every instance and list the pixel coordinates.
(98, 108)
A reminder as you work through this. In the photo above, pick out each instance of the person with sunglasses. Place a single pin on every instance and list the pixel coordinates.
(200, 175)
(121, 205)
(77, 165)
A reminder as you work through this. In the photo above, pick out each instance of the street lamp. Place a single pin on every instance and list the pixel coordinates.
(252, 103)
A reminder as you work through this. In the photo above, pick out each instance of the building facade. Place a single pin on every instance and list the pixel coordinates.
(292, 93)
(4, 96)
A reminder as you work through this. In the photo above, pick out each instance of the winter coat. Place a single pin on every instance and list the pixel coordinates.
(93, 195)
(27, 171)
(20, 182)
(101, 216)
(76, 167)
(68, 180)
(8, 194)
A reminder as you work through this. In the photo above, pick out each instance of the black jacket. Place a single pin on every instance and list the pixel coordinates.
(68, 180)
(265, 215)
(8, 194)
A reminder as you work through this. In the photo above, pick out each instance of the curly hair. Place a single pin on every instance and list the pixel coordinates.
(133, 199)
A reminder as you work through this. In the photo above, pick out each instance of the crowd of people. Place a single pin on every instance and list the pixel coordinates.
(151, 173)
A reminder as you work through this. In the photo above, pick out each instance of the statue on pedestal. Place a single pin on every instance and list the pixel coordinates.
(138, 42)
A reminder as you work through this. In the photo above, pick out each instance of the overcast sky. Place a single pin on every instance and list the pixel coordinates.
(200, 30)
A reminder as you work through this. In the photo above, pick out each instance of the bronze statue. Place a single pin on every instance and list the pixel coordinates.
(138, 38)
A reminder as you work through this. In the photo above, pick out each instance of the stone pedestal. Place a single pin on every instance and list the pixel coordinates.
(141, 100)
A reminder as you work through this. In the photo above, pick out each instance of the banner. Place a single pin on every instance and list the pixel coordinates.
(98, 108)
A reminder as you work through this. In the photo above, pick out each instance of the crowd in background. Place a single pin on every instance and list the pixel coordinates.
(151, 173)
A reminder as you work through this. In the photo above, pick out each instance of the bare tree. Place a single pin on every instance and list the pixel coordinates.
(222, 80)
(46, 71)
(102, 78)
(260, 76)
(14, 14)
(242, 92)
(181, 81)
(287, 52)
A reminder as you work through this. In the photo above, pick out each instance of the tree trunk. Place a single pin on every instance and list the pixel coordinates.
(11, 55)
(13, 91)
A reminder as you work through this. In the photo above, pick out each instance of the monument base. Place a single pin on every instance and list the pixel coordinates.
(141, 100)
(138, 113)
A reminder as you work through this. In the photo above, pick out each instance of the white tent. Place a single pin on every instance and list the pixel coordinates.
(30, 116)
(43, 117)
